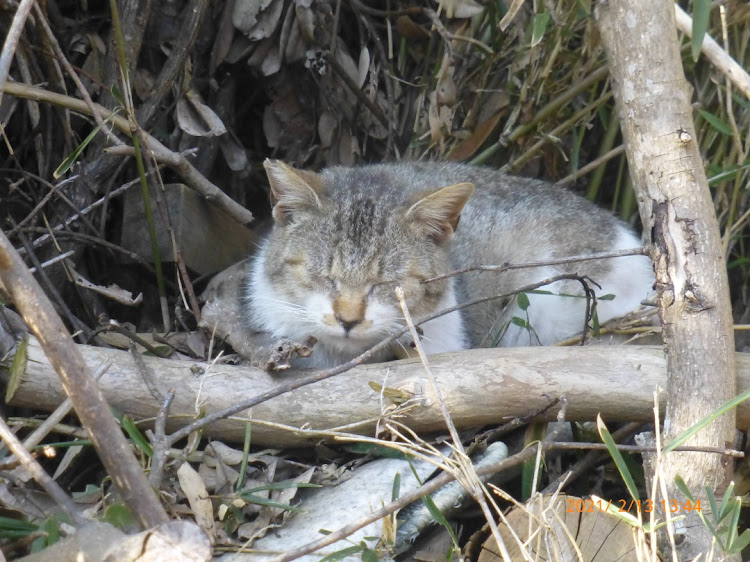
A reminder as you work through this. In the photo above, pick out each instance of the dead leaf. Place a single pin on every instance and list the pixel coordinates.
(470, 145)
(245, 13)
(197, 119)
(197, 495)
(112, 292)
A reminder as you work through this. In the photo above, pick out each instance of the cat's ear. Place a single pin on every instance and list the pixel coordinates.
(292, 190)
(437, 212)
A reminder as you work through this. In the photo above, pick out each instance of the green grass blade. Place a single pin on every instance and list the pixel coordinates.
(701, 15)
(70, 160)
(627, 478)
(721, 410)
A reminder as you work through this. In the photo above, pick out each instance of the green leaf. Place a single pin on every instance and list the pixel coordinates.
(136, 436)
(682, 487)
(260, 500)
(627, 478)
(718, 124)
(285, 485)
(118, 515)
(739, 544)
(396, 488)
(608, 297)
(725, 508)
(520, 322)
(523, 301)
(376, 450)
(695, 428)
(343, 553)
(701, 16)
(70, 160)
(597, 329)
(540, 26)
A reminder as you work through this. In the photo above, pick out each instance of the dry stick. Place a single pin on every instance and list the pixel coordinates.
(359, 360)
(11, 40)
(54, 190)
(470, 480)
(357, 91)
(54, 260)
(39, 474)
(388, 76)
(167, 222)
(428, 488)
(79, 385)
(587, 462)
(96, 204)
(60, 412)
(160, 442)
(642, 251)
(92, 240)
(713, 51)
(591, 166)
(192, 177)
(146, 374)
(41, 18)
(74, 321)
(448, 36)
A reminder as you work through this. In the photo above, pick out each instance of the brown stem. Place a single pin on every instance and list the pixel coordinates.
(92, 409)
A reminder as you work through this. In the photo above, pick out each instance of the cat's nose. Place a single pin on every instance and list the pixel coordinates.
(348, 325)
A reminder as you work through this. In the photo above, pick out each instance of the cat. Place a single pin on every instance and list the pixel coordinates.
(344, 238)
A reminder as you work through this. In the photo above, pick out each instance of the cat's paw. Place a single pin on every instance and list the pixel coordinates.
(278, 357)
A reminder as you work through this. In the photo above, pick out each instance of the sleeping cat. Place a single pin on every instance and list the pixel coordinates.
(344, 238)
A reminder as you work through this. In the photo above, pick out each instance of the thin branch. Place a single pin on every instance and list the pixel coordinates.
(11, 41)
(90, 405)
(160, 442)
(642, 251)
(591, 166)
(40, 475)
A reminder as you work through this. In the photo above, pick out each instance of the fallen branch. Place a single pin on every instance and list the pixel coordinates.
(481, 387)
(60, 351)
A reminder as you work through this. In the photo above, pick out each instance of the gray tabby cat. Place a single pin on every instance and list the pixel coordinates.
(344, 238)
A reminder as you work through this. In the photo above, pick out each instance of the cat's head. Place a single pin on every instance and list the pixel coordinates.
(337, 252)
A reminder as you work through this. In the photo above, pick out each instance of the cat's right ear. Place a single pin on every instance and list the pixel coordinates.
(292, 190)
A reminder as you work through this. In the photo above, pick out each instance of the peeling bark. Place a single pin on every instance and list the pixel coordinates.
(653, 101)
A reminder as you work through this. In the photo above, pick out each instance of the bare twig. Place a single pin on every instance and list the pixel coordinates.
(642, 251)
(591, 166)
(60, 412)
(466, 474)
(146, 373)
(11, 41)
(174, 65)
(160, 441)
(76, 378)
(40, 475)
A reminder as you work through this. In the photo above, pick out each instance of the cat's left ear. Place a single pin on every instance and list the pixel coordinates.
(292, 190)
(437, 212)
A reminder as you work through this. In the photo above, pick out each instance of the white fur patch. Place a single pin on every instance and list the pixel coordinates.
(554, 317)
